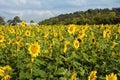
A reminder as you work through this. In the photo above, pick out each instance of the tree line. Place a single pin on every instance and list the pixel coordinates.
(91, 16)
(13, 21)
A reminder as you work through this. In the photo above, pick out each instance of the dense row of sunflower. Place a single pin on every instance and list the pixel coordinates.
(60, 52)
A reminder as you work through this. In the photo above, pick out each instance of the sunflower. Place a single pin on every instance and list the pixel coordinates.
(85, 27)
(23, 23)
(81, 34)
(46, 34)
(27, 33)
(8, 41)
(1, 72)
(7, 68)
(11, 30)
(114, 53)
(1, 38)
(93, 40)
(6, 77)
(76, 44)
(54, 41)
(66, 43)
(114, 44)
(18, 40)
(65, 48)
(73, 76)
(92, 75)
(55, 34)
(106, 33)
(34, 49)
(111, 76)
(71, 29)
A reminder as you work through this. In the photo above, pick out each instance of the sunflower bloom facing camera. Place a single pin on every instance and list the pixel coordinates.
(76, 44)
(71, 29)
(34, 49)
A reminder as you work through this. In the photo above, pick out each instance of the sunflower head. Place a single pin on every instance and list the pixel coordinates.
(12, 30)
(7, 68)
(27, 33)
(2, 72)
(81, 34)
(18, 40)
(92, 75)
(8, 41)
(76, 44)
(6, 77)
(1, 38)
(73, 76)
(34, 49)
(71, 29)
(114, 44)
(106, 33)
(111, 76)
(23, 23)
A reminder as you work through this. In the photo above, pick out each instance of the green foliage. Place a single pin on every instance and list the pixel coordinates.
(14, 21)
(2, 22)
(96, 16)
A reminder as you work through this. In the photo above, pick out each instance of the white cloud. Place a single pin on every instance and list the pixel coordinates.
(15, 12)
(27, 15)
(76, 2)
(34, 2)
(20, 2)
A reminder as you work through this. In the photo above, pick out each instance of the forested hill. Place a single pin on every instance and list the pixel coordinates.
(91, 16)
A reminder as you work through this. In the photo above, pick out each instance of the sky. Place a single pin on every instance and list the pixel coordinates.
(38, 10)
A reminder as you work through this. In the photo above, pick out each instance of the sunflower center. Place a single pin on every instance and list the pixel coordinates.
(71, 29)
(92, 77)
(34, 49)
(111, 78)
(93, 40)
(79, 40)
(76, 44)
(108, 32)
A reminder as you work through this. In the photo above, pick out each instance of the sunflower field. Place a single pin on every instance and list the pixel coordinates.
(60, 52)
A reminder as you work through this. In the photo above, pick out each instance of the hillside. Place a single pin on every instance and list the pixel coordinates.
(91, 16)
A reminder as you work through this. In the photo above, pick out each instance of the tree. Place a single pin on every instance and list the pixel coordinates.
(31, 21)
(112, 15)
(2, 22)
(9, 21)
(16, 20)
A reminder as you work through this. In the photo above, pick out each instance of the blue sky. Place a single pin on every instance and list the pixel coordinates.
(38, 10)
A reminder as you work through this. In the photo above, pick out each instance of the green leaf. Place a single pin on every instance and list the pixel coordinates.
(82, 71)
(40, 73)
(24, 75)
(62, 78)
(85, 56)
(61, 71)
